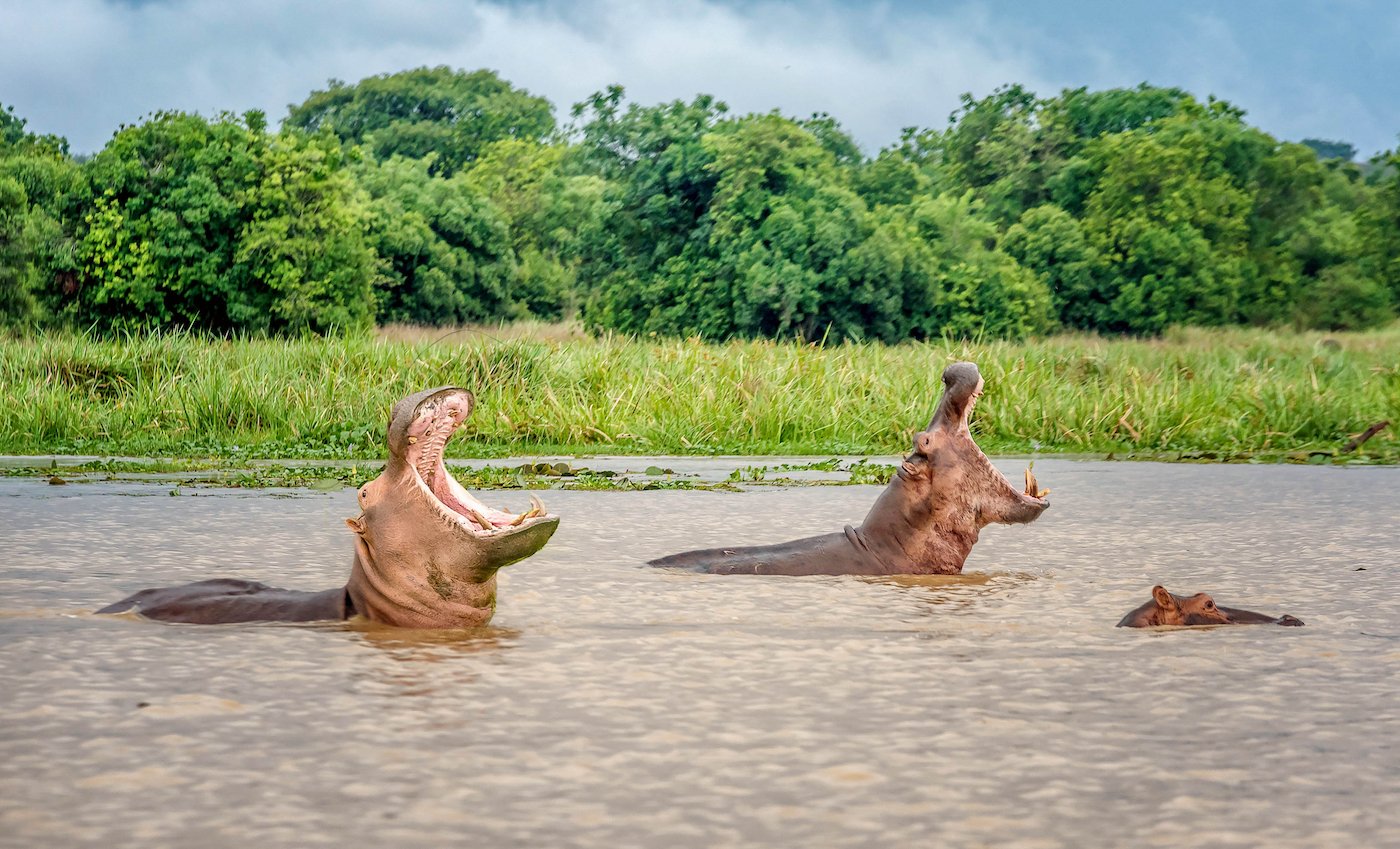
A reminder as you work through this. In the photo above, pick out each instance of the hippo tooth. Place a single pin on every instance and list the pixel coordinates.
(413, 440)
(1033, 487)
(481, 520)
(536, 509)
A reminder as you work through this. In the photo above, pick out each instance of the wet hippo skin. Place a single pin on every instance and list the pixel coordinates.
(925, 522)
(1167, 608)
(426, 550)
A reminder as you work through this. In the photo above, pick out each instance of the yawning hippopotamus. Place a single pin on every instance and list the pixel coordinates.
(426, 550)
(925, 522)
(1200, 609)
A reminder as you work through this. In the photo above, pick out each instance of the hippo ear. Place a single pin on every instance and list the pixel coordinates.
(1163, 598)
(356, 524)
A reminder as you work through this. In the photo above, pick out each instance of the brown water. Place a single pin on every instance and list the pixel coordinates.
(617, 705)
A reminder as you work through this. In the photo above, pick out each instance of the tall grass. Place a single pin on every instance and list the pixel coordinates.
(1226, 392)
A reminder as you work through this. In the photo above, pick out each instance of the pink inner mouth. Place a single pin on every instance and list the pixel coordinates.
(435, 422)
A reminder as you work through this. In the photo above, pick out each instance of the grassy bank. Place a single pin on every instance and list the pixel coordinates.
(1221, 394)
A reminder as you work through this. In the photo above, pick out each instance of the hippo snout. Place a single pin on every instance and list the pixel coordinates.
(1289, 620)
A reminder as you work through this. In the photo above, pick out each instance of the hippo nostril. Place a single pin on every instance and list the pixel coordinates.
(1290, 620)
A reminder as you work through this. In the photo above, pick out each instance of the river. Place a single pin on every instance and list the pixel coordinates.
(612, 704)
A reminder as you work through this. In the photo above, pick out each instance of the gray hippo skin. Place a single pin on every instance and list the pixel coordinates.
(925, 522)
(426, 550)
(1200, 609)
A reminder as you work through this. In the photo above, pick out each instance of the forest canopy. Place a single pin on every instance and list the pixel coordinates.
(437, 196)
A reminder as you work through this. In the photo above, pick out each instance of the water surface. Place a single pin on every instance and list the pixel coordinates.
(612, 704)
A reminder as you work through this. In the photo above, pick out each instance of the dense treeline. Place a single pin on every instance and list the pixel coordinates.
(436, 196)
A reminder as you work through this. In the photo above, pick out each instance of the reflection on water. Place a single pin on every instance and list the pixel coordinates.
(416, 652)
(611, 704)
(944, 595)
(413, 644)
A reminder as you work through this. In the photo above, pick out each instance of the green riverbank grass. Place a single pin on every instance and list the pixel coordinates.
(1230, 394)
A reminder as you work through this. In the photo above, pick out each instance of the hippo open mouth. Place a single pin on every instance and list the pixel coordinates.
(924, 523)
(434, 422)
(426, 550)
(954, 414)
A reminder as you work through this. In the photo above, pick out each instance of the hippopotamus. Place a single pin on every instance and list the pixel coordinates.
(925, 522)
(1200, 609)
(426, 550)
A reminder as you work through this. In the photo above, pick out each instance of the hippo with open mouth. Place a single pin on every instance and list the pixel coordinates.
(1167, 608)
(925, 522)
(426, 550)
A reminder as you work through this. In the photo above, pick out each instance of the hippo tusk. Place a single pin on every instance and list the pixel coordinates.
(536, 509)
(1032, 487)
(477, 516)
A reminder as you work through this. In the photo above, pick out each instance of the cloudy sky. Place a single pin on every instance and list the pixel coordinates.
(1300, 68)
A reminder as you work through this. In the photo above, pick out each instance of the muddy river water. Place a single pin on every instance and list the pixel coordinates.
(616, 705)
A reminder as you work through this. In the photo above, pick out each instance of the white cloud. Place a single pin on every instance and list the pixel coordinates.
(81, 68)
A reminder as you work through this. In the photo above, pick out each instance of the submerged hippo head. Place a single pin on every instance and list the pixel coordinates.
(1200, 609)
(426, 550)
(947, 490)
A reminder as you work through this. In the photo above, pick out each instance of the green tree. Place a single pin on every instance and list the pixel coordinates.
(42, 199)
(781, 223)
(658, 186)
(763, 239)
(442, 111)
(973, 287)
(1325, 149)
(1078, 116)
(1378, 221)
(992, 147)
(17, 301)
(12, 126)
(302, 262)
(15, 139)
(835, 140)
(1169, 225)
(160, 241)
(1344, 297)
(445, 245)
(553, 216)
(1051, 243)
(215, 225)
(891, 179)
(781, 244)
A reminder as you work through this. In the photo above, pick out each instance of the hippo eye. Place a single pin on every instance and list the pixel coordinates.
(1210, 605)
